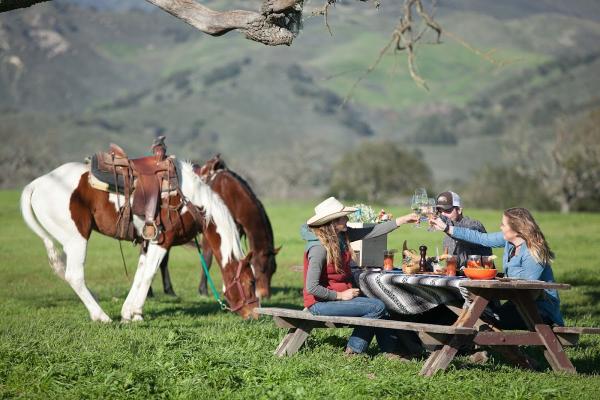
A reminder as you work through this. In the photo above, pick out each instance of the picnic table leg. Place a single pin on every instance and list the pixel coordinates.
(511, 354)
(294, 339)
(280, 351)
(554, 353)
(440, 359)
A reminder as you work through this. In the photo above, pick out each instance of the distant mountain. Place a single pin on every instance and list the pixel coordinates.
(514, 9)
(505, 9)
(57, 58)
(73, 79)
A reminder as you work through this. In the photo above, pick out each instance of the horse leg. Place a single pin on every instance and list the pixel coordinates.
(126, 310)
(166, 277)
(154, 256)
(207, 255)
(75, 251)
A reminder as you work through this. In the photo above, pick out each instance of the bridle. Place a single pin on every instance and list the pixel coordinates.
(236, 285)
(210, 176)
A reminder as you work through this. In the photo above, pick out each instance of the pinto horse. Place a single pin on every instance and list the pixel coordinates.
(63, 209)
(251, 218)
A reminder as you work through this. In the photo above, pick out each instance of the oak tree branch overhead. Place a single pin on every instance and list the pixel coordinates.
(278, 22)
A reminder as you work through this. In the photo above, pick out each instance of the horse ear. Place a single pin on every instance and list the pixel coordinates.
(276, 250)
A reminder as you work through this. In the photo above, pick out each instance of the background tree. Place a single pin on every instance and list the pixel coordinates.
(568, 168)
(378, 171)
(504, 187)
(575, 178)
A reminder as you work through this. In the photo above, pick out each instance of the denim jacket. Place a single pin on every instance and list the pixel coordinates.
(522, 265)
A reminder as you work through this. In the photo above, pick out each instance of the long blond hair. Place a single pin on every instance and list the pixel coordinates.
(521, 221)
(329, 239)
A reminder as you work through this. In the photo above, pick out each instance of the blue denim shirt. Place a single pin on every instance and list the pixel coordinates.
(522, 265)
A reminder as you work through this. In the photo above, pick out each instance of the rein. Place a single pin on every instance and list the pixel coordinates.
(244, 300)
(208, 278)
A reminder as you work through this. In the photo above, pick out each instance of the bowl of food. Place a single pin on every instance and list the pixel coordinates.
(410, 269)
(480, 273)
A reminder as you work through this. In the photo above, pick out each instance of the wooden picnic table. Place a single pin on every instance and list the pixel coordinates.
(469, 328)
(523, 294)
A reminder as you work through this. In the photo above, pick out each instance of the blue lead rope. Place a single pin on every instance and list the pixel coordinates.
(208, 278)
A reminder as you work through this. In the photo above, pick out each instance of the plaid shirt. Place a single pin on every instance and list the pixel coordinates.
(461, 248)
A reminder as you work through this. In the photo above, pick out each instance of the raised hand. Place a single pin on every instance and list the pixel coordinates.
(348, 294)
(406, 219)
(437, 223)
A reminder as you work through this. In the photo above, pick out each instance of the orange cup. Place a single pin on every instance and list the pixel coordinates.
(388, 260)
(451, 265)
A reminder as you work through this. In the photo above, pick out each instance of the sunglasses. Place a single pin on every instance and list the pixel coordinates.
(448, 211)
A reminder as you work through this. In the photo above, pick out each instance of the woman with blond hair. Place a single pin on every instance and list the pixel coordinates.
(526, 256)
(328, 283)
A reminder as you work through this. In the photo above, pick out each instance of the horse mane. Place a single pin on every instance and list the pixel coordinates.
(263, 212)
(200, 194)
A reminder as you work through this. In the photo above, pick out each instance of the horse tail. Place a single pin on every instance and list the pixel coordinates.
(56, 257)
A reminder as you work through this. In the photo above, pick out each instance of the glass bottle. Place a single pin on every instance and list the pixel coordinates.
(423, 260)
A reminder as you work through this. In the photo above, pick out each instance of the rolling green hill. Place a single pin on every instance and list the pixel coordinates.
(275, 113)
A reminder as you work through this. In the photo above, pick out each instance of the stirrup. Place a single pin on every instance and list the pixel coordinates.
(151, 236)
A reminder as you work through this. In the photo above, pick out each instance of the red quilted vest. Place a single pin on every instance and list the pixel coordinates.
(330, 278)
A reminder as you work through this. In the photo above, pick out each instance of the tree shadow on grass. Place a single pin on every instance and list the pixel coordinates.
(177, 309)
(589, 365)
(281, 297)
(586, 307)
(581, 278)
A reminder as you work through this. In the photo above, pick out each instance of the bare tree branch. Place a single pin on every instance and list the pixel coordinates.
(277, 23)
(8, 5)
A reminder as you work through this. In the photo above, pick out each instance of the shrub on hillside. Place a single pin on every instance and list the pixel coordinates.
(435, 130)
(504, 187)
(377, 171)
(225, 72)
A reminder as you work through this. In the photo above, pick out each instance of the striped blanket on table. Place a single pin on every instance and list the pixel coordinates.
(411, 294)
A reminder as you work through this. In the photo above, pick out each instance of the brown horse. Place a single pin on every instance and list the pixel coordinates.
(251, 219)
(63, 208)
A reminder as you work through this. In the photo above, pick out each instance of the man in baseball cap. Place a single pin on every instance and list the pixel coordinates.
(449, 206)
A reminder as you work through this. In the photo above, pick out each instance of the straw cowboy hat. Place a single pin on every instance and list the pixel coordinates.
(328, 210)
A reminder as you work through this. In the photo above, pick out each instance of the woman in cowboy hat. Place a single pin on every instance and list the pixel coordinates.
(328, 283)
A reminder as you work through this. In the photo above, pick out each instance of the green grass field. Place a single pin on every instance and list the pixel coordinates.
(188, 348)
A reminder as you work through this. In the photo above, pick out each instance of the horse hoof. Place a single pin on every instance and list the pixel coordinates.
(105, 319)
(101, 318)
(137, 318)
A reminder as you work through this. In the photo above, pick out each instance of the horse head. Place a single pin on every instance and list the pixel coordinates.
(211, 166)
(266, 260)
(220, 230)
(239, 287)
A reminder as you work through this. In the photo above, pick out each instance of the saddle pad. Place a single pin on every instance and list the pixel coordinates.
(105, 180)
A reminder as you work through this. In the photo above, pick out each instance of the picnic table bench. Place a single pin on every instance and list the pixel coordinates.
(446, 340)
(300, 324)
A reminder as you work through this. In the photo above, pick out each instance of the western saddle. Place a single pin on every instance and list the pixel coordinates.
(145, 179)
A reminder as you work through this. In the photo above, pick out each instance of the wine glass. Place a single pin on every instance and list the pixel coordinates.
(418, 202)
(415, 205)
(431, 212)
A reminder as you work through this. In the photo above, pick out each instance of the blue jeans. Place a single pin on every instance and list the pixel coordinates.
(359, 307)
